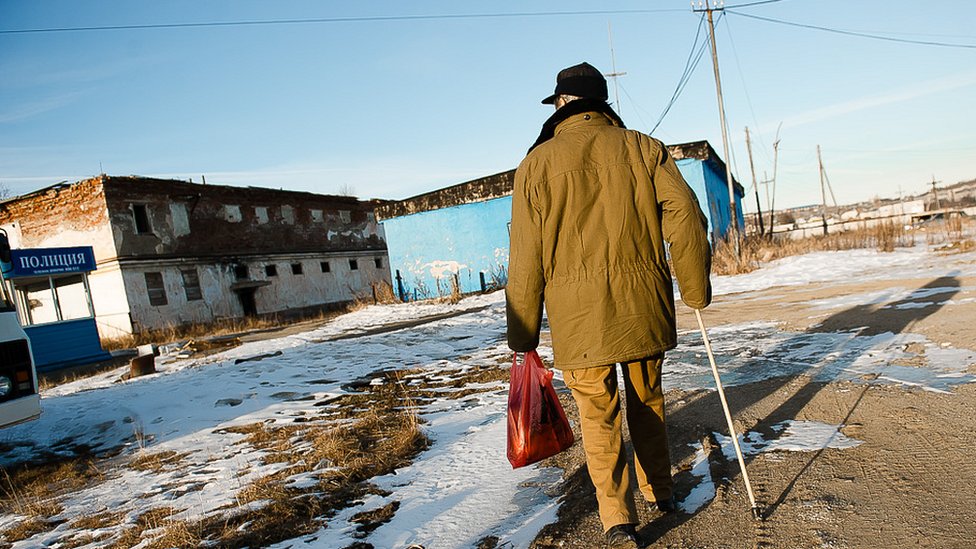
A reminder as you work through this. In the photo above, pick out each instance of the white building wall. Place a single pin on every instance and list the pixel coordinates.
(285, 291)
(109, 301)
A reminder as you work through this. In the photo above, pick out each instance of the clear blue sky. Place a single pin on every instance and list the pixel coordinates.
(394, 108)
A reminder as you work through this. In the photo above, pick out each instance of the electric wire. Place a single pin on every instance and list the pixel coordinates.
(319, 20)
(634, 103)
(738, 65)
(694, 56)
(854, 33)
(750, 4)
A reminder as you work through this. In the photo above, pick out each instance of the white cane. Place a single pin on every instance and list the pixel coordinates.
(728, 415)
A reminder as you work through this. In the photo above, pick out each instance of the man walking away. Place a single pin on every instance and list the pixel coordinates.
(592, 208)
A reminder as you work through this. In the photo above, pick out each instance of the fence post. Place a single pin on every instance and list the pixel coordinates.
(400, 290)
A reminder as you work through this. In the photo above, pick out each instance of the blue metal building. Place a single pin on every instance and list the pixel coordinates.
(458, 237)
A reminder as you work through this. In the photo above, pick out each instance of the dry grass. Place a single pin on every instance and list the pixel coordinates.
(33, 492)
(227, 327)
(755, 250)
(157, 462)
(372, 430)
(164, 532)
(383, 435)
(97, 521)
(25, 529)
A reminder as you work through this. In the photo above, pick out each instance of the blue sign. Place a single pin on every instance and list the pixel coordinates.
(49, 261)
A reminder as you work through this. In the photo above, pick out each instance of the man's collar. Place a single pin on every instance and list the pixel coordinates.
(573, 108)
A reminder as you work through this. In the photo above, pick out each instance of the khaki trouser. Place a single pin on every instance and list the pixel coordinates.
(596, 394)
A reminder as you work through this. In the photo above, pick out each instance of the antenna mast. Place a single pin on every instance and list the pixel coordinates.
(614, 75)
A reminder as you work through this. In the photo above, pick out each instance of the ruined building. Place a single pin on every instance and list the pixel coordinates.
(172, 252)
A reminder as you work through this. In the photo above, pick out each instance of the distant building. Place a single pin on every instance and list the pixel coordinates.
(901, 208)
(705, 173)
(459, 235)
(171, 252)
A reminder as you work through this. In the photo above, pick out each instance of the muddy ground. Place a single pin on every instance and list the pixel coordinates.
(909, 484)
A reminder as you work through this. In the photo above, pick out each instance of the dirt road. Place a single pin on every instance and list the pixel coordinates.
(907, 484)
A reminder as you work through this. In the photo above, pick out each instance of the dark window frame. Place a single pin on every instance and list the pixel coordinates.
(140, 218)
(191, 284)
(271, 270)
(353, 264)
(297, 269)
(156, 289)
(325, 267)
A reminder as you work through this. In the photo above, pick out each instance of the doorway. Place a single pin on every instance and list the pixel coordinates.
(246, 295)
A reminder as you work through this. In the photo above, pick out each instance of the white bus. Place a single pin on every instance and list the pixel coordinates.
(19, 397)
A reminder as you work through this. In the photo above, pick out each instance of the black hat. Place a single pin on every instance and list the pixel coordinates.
(582, 80)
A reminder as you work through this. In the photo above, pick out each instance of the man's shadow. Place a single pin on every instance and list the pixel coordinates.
(701, 414)
(863, 320)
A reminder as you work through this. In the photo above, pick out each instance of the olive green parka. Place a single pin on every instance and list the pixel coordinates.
(592, 208)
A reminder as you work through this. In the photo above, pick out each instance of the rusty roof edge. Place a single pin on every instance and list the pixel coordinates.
(702, 150)
(447, 197)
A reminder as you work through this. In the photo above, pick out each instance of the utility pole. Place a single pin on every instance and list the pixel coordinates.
(772, 202)
(614, 75)
(755, 187)
(734, 224)
(766, 181)
(935, 193)
(823, 192)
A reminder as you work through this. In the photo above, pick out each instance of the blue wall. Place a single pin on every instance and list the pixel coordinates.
(67, 343)
(430, 247)
(427, 248)
(712, 191)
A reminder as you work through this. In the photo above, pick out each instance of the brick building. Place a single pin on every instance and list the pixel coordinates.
(173, 252)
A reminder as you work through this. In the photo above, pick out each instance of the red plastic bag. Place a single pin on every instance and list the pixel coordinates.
(537, 424)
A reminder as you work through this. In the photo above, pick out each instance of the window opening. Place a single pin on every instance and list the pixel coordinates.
(155, 289)
(141, 216)
(191, 284)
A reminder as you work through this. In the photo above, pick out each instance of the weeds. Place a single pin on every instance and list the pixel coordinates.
(754, 250)
(33, 493)
(382, 432)
(224, 327)
(158, 462)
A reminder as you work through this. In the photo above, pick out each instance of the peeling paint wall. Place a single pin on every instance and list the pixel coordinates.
(164, 227)
(62, 216)
(285, 288)
(110, 301)
(455, 231)
(221, 220)
(429, 248)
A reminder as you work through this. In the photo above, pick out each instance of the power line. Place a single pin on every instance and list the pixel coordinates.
(358, 19)
(854, 33)
(745, 88)
(690, 64)
(750, 4)
(637, 109)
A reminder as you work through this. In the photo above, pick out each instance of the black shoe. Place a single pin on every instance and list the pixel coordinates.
(622, 536)
(667, 506)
